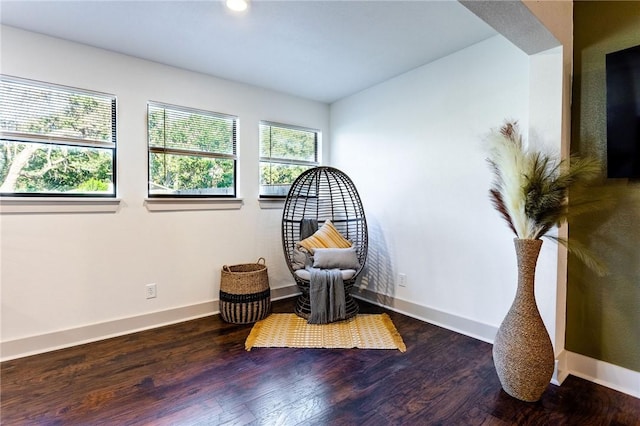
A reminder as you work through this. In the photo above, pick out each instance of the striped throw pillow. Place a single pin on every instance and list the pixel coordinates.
(325, 237)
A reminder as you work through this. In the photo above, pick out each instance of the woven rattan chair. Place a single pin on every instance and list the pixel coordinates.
(319, 194)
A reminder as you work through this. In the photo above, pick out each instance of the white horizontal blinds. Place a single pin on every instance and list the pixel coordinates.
(285, 152)
(56, 140)
(288, 144)
(192, 153)
(179, 130)
(39, 112)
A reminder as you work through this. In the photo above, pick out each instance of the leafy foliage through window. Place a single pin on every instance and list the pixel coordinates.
(285, 152)
(191, 152)
(56, 140)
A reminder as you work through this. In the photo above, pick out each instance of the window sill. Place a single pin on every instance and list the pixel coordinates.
(190, 204)
(271, 203)
(37, 205)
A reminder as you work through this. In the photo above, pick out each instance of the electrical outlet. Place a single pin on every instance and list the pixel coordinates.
(402, 280)
(152, 291)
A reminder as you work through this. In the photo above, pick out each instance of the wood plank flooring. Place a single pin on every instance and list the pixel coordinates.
(198, 373)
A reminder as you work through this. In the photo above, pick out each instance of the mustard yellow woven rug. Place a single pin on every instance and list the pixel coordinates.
(365, 331)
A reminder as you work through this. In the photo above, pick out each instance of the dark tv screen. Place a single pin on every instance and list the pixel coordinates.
(623, 113)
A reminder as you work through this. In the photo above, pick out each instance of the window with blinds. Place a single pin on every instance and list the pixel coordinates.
(192, 153)
(285, 152)
(56, 140)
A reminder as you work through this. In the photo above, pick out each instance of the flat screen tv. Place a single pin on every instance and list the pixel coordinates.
(623, 113)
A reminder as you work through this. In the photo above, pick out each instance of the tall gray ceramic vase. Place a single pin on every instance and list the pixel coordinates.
(522, 351)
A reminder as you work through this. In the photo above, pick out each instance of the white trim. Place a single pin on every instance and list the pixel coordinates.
(560, 370)
(284, 292)
(48, 205)
(271, 203)
(466, 326)
(42, 343)
(32, 345)
(600, 372)
(603, 373)
(188, 204)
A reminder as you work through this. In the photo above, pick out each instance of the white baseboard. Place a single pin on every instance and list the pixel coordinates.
(468, 327)
(605, 374)
(560, 371)
(284, 292)
(47, 342)
(41, 343)
(600, 372)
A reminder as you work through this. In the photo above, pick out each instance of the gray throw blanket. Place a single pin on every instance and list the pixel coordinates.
(307, 228)
(326, 291)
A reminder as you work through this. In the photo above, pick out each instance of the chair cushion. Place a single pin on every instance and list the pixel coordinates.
(341, 258)
(325, 237)
(347, 274)
(300, 258)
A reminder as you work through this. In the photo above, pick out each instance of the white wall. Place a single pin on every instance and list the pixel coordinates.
(67, 271)
(545, 132)
(413, 146)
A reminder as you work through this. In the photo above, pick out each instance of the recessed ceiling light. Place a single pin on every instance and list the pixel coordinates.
(238, 5)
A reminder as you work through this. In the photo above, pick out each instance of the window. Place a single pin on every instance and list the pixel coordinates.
(285, 152)
(192, 153)
(56, 140)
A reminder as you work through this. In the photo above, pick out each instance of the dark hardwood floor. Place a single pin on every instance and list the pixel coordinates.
(198, 373)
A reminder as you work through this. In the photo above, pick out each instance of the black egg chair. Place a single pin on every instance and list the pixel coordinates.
(319, 194)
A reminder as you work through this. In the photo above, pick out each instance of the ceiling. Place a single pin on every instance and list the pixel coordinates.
(320, 50)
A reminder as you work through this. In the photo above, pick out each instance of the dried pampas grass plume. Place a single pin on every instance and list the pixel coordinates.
(530, 189)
